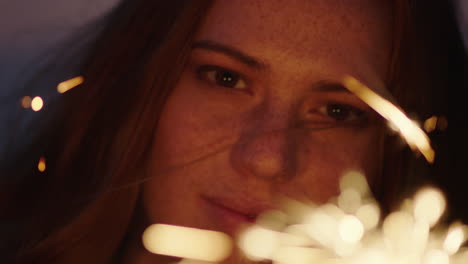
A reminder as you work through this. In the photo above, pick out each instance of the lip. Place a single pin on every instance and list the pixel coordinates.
(233, 214)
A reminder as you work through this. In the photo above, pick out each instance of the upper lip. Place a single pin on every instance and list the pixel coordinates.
(246, 206)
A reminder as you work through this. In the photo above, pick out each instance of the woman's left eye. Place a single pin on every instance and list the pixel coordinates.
(221, 77)
(342, 112)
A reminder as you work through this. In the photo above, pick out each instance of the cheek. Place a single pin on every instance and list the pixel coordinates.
(195, 125)
(324, 157)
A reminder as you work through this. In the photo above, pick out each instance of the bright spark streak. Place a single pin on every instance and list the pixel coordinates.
(185, 242)
(411, 132)
(69, 84)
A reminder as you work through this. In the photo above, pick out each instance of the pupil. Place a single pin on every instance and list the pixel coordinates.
(226, 79)
(338, 112)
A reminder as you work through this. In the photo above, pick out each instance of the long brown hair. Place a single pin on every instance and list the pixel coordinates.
(101, 140)
(83, 203)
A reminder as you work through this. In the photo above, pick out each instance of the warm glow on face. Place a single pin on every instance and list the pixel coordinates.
(410, 131)
(37, 103)
(187, 242)
(41, 166)
(69, 84)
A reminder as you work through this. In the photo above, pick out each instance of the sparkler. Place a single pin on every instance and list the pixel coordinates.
(409, 130)
(332, 233)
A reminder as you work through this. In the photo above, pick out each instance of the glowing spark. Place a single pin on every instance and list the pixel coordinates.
(436, 256)
(356, 181)
(187, 242)
(259, 243)
(396, 228)
(274, 220)
(351, 229)
(430, 124)
(369, 215)
(429, 205)
(193, 261)
(322, 227)
(41, 166)
(26, 102)
(37, 103)
(69, 84)
(414, 136)
(349, 201)
(455, 238)
(327, 234)
(299, 255)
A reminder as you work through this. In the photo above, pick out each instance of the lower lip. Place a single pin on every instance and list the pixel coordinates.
(230, 220)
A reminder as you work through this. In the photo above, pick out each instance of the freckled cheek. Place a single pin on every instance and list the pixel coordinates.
(323, 161)
(190, 131)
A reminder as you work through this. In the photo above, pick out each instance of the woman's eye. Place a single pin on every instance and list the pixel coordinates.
(222, 77)
(342, 112)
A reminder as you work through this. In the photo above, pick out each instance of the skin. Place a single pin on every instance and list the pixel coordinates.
(273, 133)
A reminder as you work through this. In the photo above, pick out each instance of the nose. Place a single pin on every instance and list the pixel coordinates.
(266, 150)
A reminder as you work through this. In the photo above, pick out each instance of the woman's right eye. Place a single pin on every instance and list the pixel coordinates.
(221, 77)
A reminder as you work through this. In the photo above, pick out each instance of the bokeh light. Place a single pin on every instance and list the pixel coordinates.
(259, 243)
(185, 242)
(41, 165)
(429, 205)
(69, 84)
(351, 229)
(397, 228)
(436, 256)
(26, 102)
(430, 124)
(37, 103)
(299, 255)
(349, 201)
(369, 215)
(354, 180)
(455, 238)
(442, 123)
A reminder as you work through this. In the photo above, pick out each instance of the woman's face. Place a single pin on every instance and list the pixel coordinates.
(259, 111)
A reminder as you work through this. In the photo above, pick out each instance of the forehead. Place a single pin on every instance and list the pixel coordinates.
(306, 34)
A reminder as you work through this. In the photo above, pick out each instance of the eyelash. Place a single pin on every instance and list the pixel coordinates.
(330, 110)
(343, 113)
(209, 73)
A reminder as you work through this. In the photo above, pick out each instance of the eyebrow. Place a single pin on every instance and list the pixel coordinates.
(231, 52)
(329, 86)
